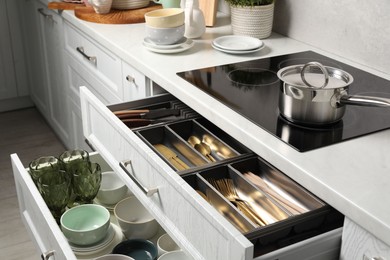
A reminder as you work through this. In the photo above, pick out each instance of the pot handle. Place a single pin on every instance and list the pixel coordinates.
(364, 101)
(323, 70)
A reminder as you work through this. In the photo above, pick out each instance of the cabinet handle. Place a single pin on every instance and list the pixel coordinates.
(42, 12)
(146, 191)
(130, 79)
(47, 255)
(92, 59)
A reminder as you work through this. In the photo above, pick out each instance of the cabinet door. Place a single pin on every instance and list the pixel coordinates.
(7, 74)
(51, 27)
(35, 59)
(357, 243)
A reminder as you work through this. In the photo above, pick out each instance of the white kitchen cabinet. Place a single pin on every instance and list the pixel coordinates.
(44, 42)
(195, 225)
(7, 72)
(357, 243)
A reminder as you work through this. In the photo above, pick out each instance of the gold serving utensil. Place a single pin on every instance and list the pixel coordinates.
(201, 147)
(289, 204)
(172, 157)
(226, 188)
(218, 147)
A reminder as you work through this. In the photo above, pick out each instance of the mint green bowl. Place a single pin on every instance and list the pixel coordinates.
(85, 224)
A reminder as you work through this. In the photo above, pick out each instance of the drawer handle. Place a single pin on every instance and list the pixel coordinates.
(146, 191)
(92, 59)
(130, 79)
(42, 12)
(47, 255)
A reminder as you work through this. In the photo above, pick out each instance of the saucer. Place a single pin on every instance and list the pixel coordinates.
(148, 42)
(182, 47)
(103, 248)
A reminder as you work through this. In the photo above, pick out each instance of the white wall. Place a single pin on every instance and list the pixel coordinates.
(358, 30)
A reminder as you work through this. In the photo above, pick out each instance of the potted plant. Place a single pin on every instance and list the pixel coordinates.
(252, 17)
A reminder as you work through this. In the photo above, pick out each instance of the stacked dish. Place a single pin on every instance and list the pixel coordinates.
(165, 30)
(236, 44)
(129, 4)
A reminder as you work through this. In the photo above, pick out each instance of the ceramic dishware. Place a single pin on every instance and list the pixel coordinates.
(134, 219)
(139, 249)
(165, 18)
(168, 3)
(43, 165)
(86, 181)
(101, 6)
(164, 36)
(55, 190)
(112, 189)
(175, 255)
(85, 224)
(166, 244)
(114, 257)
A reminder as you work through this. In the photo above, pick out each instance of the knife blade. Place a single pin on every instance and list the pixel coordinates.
(147, 114)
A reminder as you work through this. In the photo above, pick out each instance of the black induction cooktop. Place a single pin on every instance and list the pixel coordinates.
(251, 88)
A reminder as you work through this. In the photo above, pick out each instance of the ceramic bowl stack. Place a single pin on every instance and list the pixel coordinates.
(164, 31)
(129, 4)
(235, 44)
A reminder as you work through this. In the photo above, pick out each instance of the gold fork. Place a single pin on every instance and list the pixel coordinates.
(227, 189)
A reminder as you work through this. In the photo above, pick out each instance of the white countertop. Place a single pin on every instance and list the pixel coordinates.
(353, 176)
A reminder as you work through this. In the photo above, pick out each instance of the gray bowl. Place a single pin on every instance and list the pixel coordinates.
(164, 36)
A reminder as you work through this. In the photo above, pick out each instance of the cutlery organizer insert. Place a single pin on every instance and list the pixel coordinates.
(289, 227)
(176, 145)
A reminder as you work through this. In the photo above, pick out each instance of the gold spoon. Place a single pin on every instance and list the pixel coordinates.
(205, 150)
(193, 140)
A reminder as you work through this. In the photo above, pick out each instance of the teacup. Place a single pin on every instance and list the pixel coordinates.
(168, 3)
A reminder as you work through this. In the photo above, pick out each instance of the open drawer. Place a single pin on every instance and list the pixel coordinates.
(195, 225)
(42, 227)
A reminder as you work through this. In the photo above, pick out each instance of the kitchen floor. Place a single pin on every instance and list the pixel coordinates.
(26, 133)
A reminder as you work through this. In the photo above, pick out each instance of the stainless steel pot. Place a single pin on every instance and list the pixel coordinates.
(316, 95)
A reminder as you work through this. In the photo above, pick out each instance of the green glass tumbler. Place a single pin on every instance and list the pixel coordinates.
(44, 165)
(55, 190)
(86, 182)
(71, 159)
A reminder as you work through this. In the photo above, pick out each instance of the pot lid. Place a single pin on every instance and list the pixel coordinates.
(315, 75)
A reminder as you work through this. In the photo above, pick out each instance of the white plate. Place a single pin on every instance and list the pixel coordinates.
(96, 247)
(183, 47)
(238, 52)
(237, 43)
(148, 42)
(118, 237)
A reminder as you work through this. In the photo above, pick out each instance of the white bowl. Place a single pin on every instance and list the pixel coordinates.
(134, 219)
(165, 18)
(85, 224)
(112, 188)
(166, 244)
(164, 36)
(175, 255)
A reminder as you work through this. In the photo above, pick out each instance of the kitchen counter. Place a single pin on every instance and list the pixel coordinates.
(352, 176)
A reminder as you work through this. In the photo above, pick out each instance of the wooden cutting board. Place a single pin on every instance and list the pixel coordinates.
(87, 13)
(209, 9)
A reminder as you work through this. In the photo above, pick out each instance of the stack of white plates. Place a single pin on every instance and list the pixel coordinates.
(236, 44)
(182, 45)
(129, 4)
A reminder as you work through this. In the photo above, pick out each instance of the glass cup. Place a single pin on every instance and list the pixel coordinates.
(49, 165)
(71, 159)
(55, 190)
(86, 181)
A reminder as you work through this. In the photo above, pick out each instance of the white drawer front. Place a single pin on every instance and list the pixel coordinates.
(97, 59)
(37, 218)
(134, 83)
(196, 226)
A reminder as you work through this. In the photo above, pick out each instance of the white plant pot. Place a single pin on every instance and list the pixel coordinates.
(253, 21)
